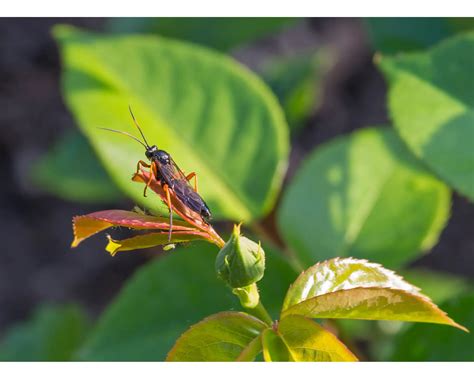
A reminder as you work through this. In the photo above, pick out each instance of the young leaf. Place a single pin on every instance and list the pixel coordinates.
(219, 33)
(71, 171)
(355, 196)
(431, 103)
(429, 343)
(210, 113)
(275, 348)
(357, 289)
(225, 336)
(88, 225)
(52, 334)
(309, 342)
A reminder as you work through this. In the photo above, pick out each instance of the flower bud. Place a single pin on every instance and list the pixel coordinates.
(240, 262)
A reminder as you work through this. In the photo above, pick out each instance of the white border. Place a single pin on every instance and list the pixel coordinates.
(247, 8)
(235, 370)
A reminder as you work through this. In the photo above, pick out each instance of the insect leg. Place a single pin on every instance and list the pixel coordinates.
(152, 175)
(193, 175)
(167, 191)
(140, 164)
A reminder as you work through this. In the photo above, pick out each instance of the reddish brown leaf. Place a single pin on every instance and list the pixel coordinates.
(88, 225)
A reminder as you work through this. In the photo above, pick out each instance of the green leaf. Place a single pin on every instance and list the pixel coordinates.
(297, 82)
(214, 116)
(431, 103)
(161, 301)
(429, 343)
(225, 336)
(71, 171)
(309, 342)
(394, 34)
(216, 32)
(274, 348)
(355, 196)
(52, 334)
(357, 289)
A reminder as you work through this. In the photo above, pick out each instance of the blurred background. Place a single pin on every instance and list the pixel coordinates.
(344, 92)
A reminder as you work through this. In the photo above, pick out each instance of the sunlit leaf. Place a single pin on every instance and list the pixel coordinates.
(342, 274)
(215, 117)
(356, 289)
(309, 342)
(72, 171)
(274, 348)
(430, 343)
(431, 103)
(52, 334)
(225, 336)
(355, 196)
(216, 32)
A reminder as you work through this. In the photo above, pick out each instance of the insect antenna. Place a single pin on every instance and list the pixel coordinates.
(127, 134)
(138, 126)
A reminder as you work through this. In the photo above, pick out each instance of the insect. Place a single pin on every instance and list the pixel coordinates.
(172, 179)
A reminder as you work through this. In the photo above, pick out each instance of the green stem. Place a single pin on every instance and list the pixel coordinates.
(250, 300)
(260, 312)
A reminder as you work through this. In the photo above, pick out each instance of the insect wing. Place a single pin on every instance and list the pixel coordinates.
(176, 179)
(171, 173)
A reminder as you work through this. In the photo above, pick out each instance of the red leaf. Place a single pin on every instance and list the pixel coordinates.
(88, 225)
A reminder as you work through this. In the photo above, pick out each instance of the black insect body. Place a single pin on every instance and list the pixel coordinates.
(169, 175)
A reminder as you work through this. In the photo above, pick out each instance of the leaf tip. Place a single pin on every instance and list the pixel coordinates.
(112, 246)
(459, 326)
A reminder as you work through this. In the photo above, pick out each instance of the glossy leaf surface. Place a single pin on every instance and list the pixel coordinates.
(355, 196)
(210, 113)
(431, 103)
(225, 336)
(355, 289)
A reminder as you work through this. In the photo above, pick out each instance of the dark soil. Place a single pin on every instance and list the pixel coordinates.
(36, 262)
